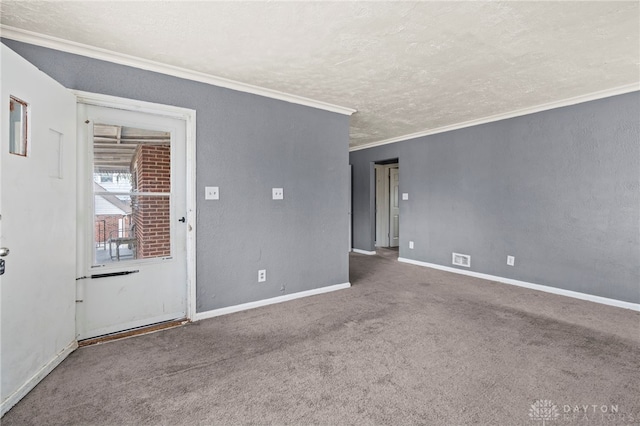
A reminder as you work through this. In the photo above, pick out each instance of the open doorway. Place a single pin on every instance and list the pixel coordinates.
(387, 178)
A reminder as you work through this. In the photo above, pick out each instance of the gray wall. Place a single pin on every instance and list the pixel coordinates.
(246, 144)
(559, 190)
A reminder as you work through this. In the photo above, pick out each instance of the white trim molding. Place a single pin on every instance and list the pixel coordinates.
(259, 303)
(621, 90)
(192, 219)
(56, 43)
(368, 253)
(109, 101)
(539, 287)
(15, 397)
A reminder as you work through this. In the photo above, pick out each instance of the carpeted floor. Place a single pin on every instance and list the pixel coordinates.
(404, 345)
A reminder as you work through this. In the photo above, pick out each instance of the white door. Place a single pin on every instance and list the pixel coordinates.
(37, 225)
(134, 174)
(382, 206)
(350, 214)
(394, 208)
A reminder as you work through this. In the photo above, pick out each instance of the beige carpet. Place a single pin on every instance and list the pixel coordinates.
(404, 345)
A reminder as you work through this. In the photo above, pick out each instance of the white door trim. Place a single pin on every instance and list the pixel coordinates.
(392, 199)
(382, 236)
(350, 207)
(189, 116)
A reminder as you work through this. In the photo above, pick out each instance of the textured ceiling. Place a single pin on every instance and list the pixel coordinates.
(405, 66)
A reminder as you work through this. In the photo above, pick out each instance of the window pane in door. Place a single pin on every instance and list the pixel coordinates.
(132, 193)
(18, 126)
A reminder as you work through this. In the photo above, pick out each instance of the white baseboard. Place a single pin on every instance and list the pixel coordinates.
(369, 253)
(15, 397)
(243, 307)
(539, 287)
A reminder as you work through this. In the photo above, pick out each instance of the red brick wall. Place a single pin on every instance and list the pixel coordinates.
(151, 215)
(104, 225)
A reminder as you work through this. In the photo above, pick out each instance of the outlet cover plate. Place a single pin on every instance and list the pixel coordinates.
(262, 275)
(211, 193)
(277, 193)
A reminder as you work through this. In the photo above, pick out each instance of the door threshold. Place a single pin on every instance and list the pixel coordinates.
(132, 332)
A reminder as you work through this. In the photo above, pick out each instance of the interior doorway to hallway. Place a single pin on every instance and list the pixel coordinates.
(387, 178)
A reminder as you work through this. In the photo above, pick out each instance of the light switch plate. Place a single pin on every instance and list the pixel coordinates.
(211, 193)
(277, 193)
(405, 195)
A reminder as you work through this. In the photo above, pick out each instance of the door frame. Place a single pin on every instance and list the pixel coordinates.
(382, 205)
(391, 201)
(381, 237)
(185, 114)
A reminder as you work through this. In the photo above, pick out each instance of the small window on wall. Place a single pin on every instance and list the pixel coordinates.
(18, 126)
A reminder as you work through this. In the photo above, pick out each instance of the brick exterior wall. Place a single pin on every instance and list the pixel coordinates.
(107, 226)
(151, 215)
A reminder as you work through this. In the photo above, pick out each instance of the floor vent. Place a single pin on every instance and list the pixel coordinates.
(461, 260)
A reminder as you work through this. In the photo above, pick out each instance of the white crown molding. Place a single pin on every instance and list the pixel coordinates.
(50, 42)
(512, 114)
(539, 287)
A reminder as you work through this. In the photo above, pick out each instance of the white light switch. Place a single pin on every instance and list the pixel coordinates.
(278, 193)
(211, 193)
(405, 195)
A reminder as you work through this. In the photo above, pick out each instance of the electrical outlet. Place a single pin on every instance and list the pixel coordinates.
(411, 244)
(511, 260)
(211, 193)
(277, 193)
(262, 275)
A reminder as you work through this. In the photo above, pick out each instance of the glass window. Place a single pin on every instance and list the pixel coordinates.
(132, 193)
(18, 126)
